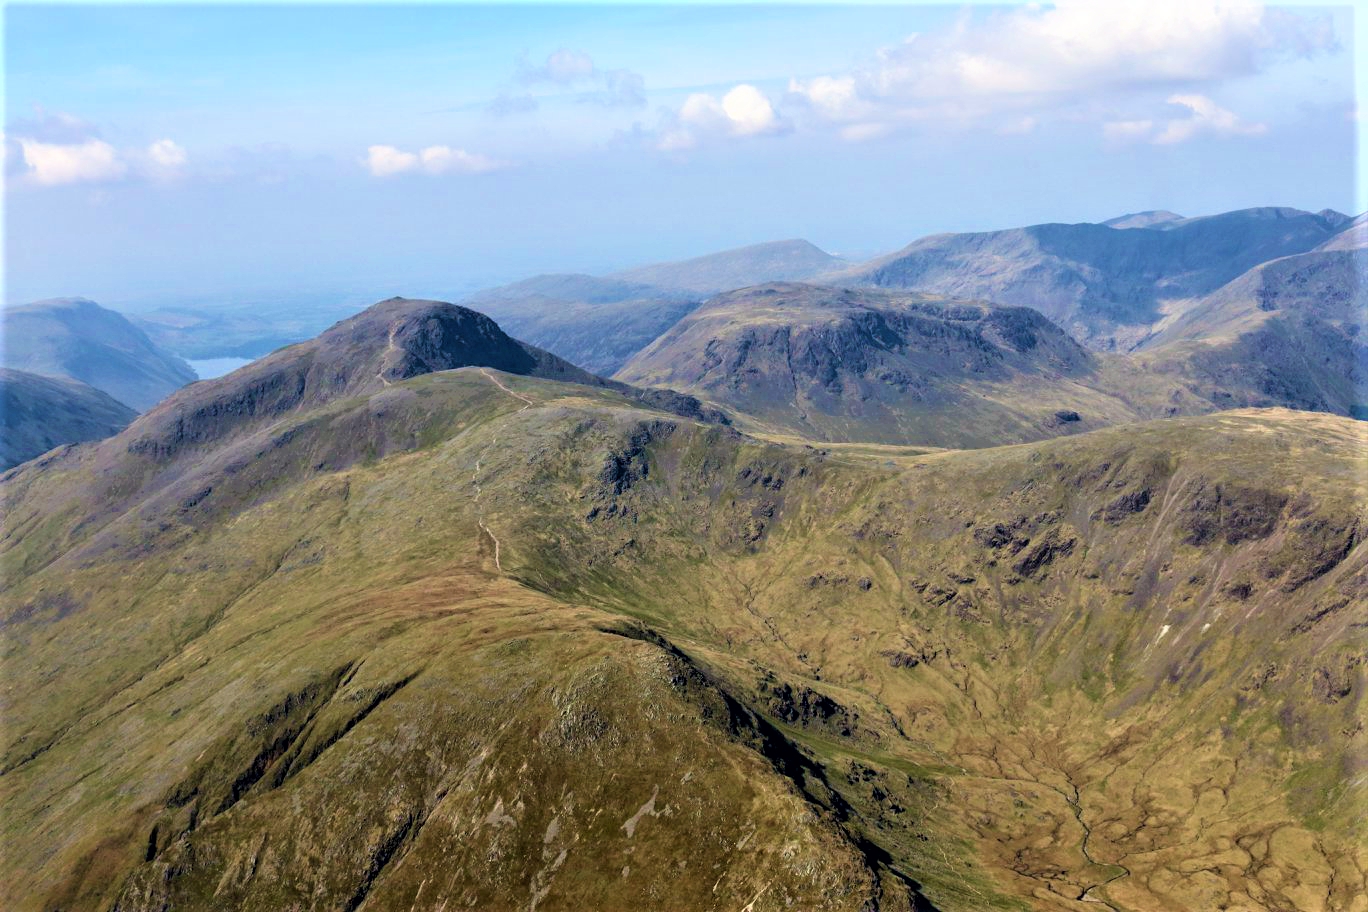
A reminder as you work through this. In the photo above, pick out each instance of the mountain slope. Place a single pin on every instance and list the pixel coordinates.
(39, 413)
(876, 366)
(1287, 332)
(775, 261)
(1150, 218)
(1106, 286)
(599, 323)
(596, 323)
(389, 342)
(485, 639)
(76, 338)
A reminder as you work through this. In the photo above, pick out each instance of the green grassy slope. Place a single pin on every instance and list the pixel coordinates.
(477, 639)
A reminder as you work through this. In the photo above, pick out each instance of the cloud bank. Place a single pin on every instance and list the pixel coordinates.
(1034, 59)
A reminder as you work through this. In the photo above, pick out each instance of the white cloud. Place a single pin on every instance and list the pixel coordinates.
(862, 132)
(443, 159)
(835, 98)
(749, 112)
(52, 164)
(1035, 58)
(385, 161)
(742, 111)
(166, 153)
(1206, 117)
(566, 68)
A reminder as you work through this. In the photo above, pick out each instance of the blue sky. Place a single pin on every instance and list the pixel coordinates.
(157, 152)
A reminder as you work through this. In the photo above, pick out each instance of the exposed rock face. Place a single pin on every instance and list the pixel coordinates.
(76, 338)
(1287, 332)
(39, 413)
(890, 367)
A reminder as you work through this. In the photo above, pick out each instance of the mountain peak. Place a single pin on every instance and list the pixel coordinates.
(388, 342)
(1150, 218)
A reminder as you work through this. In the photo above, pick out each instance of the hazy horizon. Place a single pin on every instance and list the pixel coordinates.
(219, 152)
(361, 292)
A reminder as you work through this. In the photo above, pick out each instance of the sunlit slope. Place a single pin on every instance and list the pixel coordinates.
(491, 640)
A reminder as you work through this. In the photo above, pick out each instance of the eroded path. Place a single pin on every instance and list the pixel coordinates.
(479, 506)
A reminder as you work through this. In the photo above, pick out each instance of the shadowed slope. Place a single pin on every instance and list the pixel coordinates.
(597, 323)
(1288, 332)
(39, 413)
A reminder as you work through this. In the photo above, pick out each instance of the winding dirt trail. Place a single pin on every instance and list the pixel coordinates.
(527, 403)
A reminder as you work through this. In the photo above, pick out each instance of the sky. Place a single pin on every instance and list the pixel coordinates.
(193, 152)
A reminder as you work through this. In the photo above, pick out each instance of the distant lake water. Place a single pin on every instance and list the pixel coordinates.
(209, 368)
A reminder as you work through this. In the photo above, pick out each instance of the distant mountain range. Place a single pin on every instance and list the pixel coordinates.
(77, 338)
(776, 261)
(1108, 285)
(1176, 315)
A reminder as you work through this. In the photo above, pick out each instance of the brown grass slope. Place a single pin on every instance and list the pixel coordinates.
(474, 639)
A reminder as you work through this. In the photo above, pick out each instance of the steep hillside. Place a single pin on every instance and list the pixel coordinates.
(868, 365)
(476, 639)
(39, 413)
(1287, 332)
(1108, 286)
(76, 338)
(596, 323)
